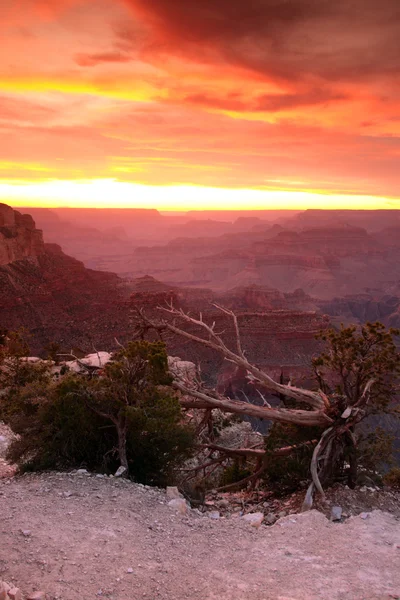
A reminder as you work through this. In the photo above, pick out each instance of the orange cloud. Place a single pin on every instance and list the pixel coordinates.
(269, 94)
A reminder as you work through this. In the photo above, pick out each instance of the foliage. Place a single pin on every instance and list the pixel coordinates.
(355, 356)
(234, 473)
(285, 473)
(392, 478)
(72, 422)
(375, 449)
(56, 430)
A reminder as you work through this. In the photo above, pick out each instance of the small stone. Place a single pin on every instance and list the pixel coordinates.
(282, 514)
(15, 594)
(179, 504)
(120, 471)
(82, 472)
(129, 570)
(26, 532)
(100, 475)
(336, 513)
(364, 515)
(255, 519)
(173, 492)
(363, 488)
(214, 514)
(271, 518)
(4, 588)
(39, 595)
(223, 504)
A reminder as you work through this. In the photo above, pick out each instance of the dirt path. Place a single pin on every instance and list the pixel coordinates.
(85, 537)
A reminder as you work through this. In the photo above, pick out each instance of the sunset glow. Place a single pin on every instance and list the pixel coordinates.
(212, 104)
(102, 193)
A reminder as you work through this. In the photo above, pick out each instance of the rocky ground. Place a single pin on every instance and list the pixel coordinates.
(80, 536)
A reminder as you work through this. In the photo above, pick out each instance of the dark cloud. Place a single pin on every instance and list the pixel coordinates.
(91, 60)
(288, 39)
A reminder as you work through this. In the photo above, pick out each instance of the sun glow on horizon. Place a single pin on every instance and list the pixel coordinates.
(109, 193)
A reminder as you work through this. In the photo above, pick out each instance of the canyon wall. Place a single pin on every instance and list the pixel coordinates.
(54, 296)
(19, 238)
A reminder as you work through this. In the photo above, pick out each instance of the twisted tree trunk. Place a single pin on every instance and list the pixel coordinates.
(322, 411)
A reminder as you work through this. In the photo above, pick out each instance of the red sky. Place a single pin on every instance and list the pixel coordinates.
(289, 95)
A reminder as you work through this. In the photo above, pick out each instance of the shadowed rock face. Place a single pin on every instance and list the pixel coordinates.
(276, 329)
(325, 261)
(53, 295)
(19, 238)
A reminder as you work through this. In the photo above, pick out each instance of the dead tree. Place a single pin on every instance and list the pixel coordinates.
(336, 415)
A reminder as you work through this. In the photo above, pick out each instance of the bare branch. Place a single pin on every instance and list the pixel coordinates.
(215, 342)
(200, 399)
(314, 461)
(258, 452)
(236, 326)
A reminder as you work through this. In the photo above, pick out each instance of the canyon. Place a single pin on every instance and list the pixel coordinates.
(280, 277)
(57, 299)
(52, 295)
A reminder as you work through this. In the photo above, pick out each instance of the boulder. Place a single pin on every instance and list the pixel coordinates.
(180, 505)
(15, 594)
(214, 514)
(255, 519)
(120, 471)
(4, 587)
(173, 492)
(182, 369)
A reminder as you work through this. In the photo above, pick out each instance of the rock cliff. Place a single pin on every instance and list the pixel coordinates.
(19, 238)
(324, 261)
(53, 295)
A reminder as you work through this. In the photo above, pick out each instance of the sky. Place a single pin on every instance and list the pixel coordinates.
(188, 104)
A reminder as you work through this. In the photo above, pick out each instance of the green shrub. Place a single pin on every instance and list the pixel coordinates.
(234, 473)
(285, 473)
(392, 478)
(66, 424)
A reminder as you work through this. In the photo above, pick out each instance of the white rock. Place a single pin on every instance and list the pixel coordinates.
(97, 359)
(31, 359)
(4, 588)
(182, 369)
(120, 471)
(39, 595)
(255, 519)
(82, 472)
(180, 505)
(130, 570)
(214, 514)
(173, 492)
(336, 513)
(26, 532)
(15, 594)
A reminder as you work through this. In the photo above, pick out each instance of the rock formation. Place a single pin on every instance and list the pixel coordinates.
(276, 330)
(53, 295)
(19, 238)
